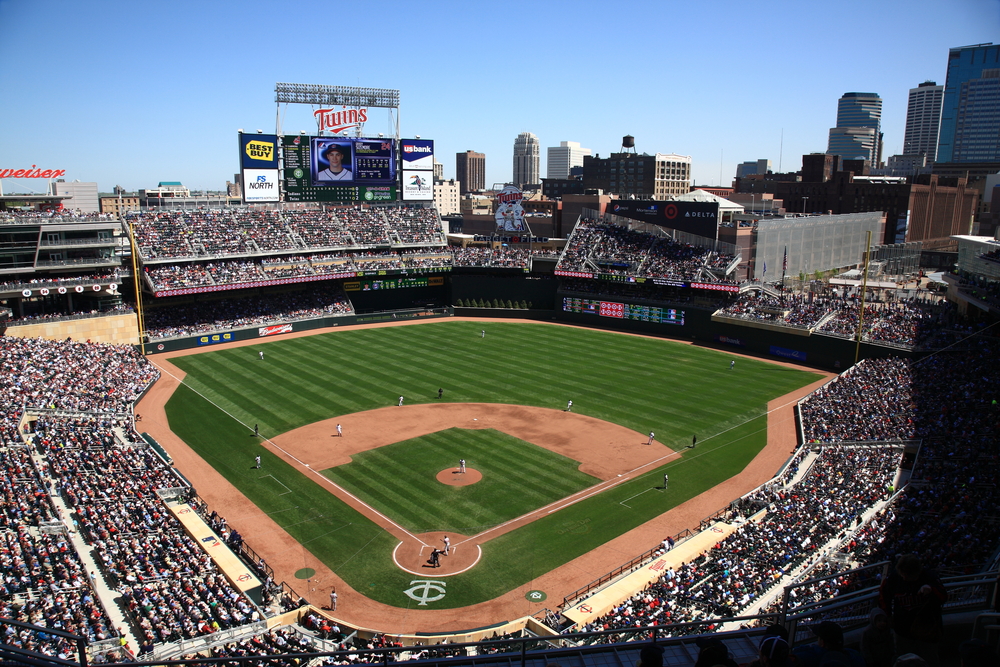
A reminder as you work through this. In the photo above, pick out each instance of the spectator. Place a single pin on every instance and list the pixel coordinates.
(913, 597)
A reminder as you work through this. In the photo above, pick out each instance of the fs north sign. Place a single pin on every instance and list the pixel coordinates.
(34, 172)
(336, 121)
(260, 185)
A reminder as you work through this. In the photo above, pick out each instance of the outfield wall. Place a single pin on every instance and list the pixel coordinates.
(538, 289)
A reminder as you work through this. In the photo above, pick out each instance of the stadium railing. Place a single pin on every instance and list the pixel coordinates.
(15, 655)
(966, 593)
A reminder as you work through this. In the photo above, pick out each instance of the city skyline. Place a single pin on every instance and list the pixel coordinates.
(111, 97)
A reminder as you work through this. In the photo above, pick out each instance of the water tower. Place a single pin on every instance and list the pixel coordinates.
(628, 144)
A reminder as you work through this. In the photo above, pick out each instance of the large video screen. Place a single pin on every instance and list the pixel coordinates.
(339, 169)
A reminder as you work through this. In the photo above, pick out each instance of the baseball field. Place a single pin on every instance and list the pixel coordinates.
(544, 485)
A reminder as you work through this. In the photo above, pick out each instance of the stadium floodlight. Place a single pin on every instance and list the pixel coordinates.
(307, 93)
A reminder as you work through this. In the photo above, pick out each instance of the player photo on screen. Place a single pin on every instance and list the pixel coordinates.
(333, 162)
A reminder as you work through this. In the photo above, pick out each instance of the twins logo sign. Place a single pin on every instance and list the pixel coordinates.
(510, 213)
(425, 590)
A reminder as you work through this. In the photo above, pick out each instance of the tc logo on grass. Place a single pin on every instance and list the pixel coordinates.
(425, 590)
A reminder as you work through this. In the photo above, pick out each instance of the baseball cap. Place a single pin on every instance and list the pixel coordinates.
(774, 648)
(344, 151)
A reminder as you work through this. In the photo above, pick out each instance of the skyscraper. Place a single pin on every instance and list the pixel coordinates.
(970, 111)
(923, 120)
(858, 135)
(470, 171)
(527, 150)
(562, 158)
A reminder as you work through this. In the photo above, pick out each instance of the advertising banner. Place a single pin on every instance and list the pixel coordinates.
(797, 355)
(729, 340)
(695, 217)
(417, 154)
(273, 330)
(258, 151)
(260, 185)
(215, 338)
(418, 185)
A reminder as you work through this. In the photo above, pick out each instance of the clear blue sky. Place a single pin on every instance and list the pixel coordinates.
(133, 93)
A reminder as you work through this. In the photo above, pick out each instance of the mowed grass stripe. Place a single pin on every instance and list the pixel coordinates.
(394, 480)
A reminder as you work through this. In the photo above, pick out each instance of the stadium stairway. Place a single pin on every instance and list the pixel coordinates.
(108, 597)
(804, 468)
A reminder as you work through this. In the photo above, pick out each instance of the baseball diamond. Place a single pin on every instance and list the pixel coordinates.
(547, 513)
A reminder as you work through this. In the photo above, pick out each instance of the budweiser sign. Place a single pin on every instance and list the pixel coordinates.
(34, 172)
(334, 121)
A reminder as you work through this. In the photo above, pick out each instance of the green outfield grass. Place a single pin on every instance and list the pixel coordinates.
(518, 477)
(646, 384)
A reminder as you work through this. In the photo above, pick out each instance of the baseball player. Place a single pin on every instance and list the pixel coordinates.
(461, 466)
(666, 481)
(400, 401)
(340, 431)
(447, 544)
(732, 364)
(569, 406)
(261, 353)
(651, 435)
(333, 600)
(257, 461)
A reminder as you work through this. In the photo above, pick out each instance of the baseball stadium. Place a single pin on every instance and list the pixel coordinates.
(334, 433)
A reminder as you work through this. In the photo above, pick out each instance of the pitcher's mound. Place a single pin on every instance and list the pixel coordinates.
(452, 477)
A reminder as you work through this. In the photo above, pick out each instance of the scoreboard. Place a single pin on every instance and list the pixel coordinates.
(370, 165)
(393, 283)
(623, 311)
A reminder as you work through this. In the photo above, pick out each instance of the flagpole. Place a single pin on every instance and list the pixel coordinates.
(784, 266)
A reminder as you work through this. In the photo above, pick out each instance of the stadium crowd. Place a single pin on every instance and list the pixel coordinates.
(778, 528)
(219, 315)
(504, 257)
(214, 233)
(907, 322)
(609, 248)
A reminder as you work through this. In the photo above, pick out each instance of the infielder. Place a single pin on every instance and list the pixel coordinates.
(651, 435)
(400, 401)
(257, 461)
(666, 481)
(569, 406)
(340, 431)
